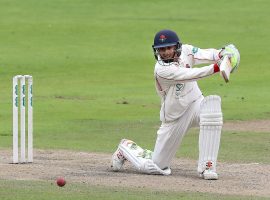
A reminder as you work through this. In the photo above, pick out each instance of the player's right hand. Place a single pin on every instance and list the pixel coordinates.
(232, 52)
(225, 52)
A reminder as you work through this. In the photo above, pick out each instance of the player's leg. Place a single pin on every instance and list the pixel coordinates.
(140, 158)
(209, 138)
(170, 135)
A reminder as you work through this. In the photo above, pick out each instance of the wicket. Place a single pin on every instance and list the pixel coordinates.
(19, 90)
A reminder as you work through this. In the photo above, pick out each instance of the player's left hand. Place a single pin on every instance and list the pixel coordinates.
(232, 52)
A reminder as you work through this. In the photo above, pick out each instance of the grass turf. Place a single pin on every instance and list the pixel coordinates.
(92, 64)
(42, 190)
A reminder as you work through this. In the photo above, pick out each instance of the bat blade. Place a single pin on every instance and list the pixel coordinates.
(225, 69)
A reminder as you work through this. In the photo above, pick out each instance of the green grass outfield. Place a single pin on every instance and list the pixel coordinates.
(92, 65)
(43, 190)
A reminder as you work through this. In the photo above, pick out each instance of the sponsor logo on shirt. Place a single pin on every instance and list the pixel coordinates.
(178, 89)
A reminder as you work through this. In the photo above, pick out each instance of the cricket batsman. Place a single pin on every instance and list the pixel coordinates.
(182, 106)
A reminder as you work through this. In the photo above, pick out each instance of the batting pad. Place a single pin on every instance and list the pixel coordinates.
(210, 130)
(136, 155)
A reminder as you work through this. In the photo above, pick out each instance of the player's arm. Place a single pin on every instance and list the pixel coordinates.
(182, 74)
(203, 56)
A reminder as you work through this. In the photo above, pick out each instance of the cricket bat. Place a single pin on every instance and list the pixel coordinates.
(225, 69)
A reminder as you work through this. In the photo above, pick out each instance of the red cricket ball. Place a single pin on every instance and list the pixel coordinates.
(61, 182)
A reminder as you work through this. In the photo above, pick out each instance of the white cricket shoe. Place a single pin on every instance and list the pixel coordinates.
(118, 160)
(209, 173)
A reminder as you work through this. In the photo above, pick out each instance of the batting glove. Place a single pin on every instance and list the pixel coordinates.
(232, 52)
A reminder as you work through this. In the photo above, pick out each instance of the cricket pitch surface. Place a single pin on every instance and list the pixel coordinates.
(249, 179)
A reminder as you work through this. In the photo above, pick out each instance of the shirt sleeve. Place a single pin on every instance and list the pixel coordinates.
(202, 56)
(174, 73)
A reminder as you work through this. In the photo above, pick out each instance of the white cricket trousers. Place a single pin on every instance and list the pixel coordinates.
(170, 135)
